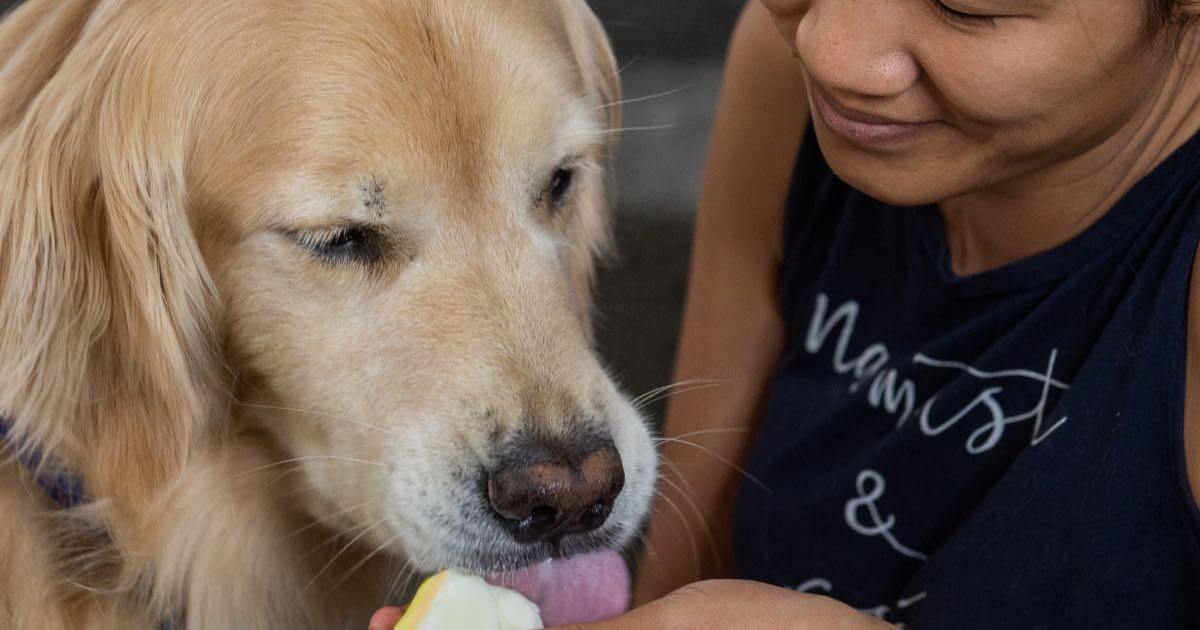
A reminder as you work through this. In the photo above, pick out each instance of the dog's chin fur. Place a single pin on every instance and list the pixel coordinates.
(275, 432)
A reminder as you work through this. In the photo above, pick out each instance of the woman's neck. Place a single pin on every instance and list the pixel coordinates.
(1030, 214)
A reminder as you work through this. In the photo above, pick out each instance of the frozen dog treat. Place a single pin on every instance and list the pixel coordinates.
(556, 592)
(452, 601)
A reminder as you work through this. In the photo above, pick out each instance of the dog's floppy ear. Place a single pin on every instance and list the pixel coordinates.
(595, 58)
(597, 65)
(107, 347)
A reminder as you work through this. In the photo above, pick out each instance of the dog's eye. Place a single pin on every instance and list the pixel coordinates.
(352, 243)
(560, 186)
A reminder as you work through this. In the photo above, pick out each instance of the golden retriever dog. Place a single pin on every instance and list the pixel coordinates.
(299, 291)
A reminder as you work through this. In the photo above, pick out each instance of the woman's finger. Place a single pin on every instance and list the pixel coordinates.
(386, 618)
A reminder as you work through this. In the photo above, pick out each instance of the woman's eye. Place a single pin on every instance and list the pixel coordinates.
(560, 186)
(358, 244)
(970, 19)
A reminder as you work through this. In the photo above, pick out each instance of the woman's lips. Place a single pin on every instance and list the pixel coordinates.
(861, 128)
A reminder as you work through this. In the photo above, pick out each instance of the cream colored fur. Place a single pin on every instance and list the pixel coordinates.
(271, 439)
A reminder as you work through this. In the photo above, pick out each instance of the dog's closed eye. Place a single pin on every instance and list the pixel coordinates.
(361, 244)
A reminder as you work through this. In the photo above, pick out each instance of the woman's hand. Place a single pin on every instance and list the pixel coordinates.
(722, 604)
(740, 604)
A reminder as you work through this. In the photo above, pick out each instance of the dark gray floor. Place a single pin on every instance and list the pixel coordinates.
(663, 45)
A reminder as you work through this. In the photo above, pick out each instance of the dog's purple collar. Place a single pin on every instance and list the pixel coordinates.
(64, 489)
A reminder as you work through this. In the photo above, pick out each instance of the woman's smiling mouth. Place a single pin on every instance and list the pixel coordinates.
(863, 128)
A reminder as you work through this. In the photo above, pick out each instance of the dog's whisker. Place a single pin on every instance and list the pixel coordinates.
(320, 414)
(687, 529)
(669, 468)
(719, 458)
(301, 484)
(623, 68)
(319, 522)
(653, 558)
(649, 97)
(343, 550)
(92, 590)
(636, 128)
(403, 577)
(687, 496)
(310, 487)
(705, 432)
(308, 458)
(362, 562)
(669, 394)
(650, 401)
(391, 570)
(680, 390)
(598, 136)
(639, 400)
(332, 538)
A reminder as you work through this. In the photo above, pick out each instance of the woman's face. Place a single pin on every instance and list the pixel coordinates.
(916, 102)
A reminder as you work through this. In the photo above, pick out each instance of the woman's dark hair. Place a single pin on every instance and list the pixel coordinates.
(1165, 16)
(1167, 21)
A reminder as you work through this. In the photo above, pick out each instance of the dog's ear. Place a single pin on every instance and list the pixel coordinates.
(108, 360)
(594, 56)
(597, 65)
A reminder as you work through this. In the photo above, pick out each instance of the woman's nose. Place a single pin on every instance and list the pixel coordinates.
(856, 47)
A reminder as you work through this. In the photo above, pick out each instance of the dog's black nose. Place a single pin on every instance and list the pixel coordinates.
(548, 496)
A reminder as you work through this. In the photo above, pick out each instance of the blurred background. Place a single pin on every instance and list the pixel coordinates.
(670, 52)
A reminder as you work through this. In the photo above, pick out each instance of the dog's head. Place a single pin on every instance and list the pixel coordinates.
(365, 229)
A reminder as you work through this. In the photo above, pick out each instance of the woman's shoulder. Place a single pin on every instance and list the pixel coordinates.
(759, 124)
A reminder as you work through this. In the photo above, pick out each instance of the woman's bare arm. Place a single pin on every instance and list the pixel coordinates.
(732, 333)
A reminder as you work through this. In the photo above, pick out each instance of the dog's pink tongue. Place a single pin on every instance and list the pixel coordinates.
(581, 589)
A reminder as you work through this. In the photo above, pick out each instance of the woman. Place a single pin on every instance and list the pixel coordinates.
(958, 335)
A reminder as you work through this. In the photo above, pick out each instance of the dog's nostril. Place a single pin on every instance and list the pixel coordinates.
(543, 517)
(545, 500)
(596, 515)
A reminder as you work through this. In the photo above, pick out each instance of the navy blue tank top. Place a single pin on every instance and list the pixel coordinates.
(1000, 450)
